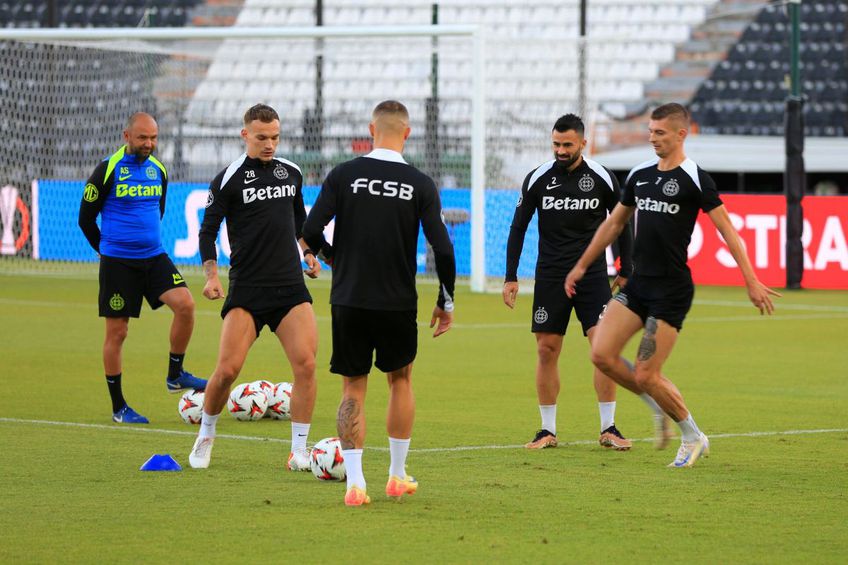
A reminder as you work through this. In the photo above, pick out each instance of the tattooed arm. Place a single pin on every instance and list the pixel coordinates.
(213, 289)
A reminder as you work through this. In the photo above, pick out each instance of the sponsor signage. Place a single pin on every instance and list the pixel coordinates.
(760, 220)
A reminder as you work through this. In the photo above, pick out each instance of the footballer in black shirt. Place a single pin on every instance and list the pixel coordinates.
(261, 198)
(572, 195)
(379, 201)
(666, 194)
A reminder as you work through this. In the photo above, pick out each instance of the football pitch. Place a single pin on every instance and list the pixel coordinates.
(770, 392)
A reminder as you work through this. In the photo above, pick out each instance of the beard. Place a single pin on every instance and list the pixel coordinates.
(566, 163)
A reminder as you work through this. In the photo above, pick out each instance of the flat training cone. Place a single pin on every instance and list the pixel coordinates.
(162, 462)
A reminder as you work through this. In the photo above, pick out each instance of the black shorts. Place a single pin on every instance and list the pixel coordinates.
(268, 305)
(552, 307)
(664, 298)
(124, 282)
(357, 332)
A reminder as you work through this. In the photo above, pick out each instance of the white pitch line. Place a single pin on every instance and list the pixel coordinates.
(828, 313)
(420, 450)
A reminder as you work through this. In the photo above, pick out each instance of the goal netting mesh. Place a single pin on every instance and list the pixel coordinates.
(64, 104)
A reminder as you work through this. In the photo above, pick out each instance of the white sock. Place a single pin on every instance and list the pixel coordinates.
(689, 429)
(353, 468)
(299, 434)
(548, 417)
(207, 425)
(398, 448)
(652, 404)
(607, 410)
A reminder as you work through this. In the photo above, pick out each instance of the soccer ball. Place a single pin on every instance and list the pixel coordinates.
(247, 402)
(279, 401)
(191, 406)
(264, 386)
(327, 461)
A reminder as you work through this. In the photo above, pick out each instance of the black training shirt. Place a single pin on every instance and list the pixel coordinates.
(263, 205)
(571, 206)
(667, 205)
(379, 201)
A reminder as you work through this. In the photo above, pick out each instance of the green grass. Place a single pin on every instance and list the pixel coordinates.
(75, 494)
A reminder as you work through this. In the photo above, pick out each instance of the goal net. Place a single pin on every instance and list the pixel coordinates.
(477, 127)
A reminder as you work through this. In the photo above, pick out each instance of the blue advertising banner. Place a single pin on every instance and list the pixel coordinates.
(61, 239)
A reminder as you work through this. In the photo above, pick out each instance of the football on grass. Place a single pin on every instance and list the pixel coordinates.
(191, 406)
(247, 402)
(279, 401)
(327, 461)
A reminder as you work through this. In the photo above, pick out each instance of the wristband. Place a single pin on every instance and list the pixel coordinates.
(308, 251)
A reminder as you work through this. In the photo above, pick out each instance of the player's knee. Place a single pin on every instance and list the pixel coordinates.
(305, 367)
(645, 378)
(548, 353)
(228, 373)
(117, 335)
(603, 360)
(184, 306)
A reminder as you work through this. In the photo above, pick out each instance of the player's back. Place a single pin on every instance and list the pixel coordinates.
(379, 202)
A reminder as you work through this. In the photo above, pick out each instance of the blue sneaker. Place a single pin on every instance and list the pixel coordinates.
(184, 382)
(127, 415)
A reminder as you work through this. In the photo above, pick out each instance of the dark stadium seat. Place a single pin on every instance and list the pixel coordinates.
(101, 16)
(746, 93)
(126, 16)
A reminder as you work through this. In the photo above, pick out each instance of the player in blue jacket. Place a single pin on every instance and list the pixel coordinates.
(128, 191)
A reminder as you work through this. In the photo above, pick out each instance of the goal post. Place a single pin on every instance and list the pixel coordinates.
(72, 89)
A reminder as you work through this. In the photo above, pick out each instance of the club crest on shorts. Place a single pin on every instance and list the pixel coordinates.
(586, 183)
(280, 172)
(671, 188)
(541, 315)
(116, 302)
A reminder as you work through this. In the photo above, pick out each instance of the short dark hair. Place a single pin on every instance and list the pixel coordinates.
(672, 110)
(570, 122)
(261, 112)
(390, 107)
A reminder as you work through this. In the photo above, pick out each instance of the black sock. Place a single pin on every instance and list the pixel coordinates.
(114, 384)
(175, 365)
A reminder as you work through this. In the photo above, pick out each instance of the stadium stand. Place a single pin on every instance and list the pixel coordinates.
(79, 84)
(725, 57)
(745, 93)
(629, 42)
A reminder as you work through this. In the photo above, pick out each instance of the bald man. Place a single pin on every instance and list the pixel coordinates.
(379, 200)
(128, 190)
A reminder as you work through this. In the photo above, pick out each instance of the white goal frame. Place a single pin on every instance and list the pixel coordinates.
(478, 79)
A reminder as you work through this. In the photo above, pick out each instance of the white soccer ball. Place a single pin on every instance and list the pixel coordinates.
(327, 461)
(191, 406)
(247, 402)
(264, 386)
(279, 401)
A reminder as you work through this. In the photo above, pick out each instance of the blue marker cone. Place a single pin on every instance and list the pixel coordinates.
(161, 463)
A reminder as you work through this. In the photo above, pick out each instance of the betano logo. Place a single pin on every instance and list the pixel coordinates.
(252, 194)
(651, 205)
(125, 190)
(567, 203)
